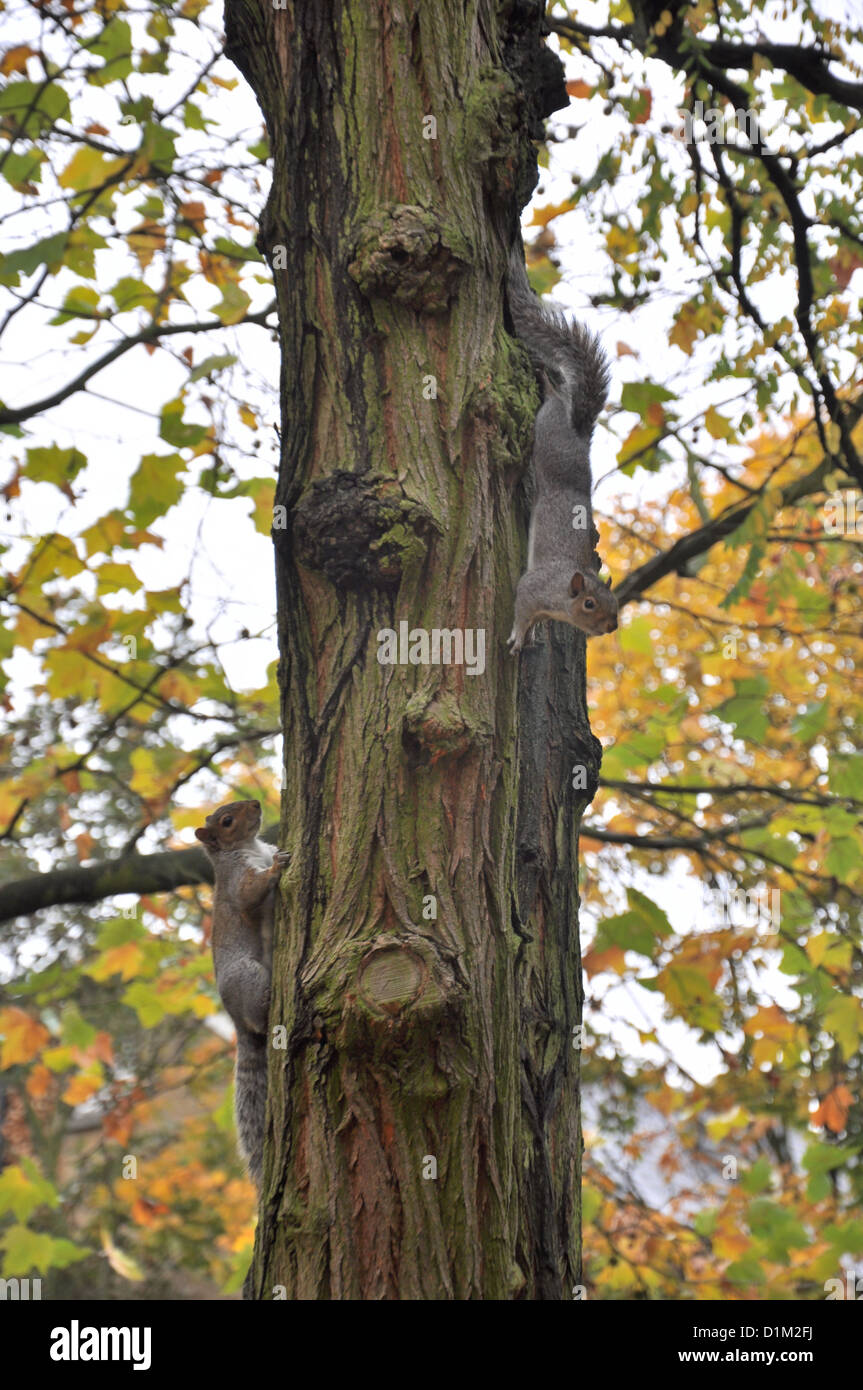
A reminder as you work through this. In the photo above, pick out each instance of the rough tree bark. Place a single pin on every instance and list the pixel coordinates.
(413, 790)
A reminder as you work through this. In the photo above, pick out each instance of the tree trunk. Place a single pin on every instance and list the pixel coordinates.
(423, 1135)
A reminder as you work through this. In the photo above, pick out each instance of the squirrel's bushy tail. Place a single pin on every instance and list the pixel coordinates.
(580, 370)
(250, 1099)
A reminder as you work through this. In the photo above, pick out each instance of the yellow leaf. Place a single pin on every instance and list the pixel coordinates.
(59, 1059)
(828, 949)
(83, 1086)
(145, 240)
(70, 673)
(716, 425)
(121, 1264)
(88, 169)
(179, 688)
(123, 960)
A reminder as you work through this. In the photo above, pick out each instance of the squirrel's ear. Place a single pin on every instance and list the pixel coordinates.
(608, 582)
(576, 583)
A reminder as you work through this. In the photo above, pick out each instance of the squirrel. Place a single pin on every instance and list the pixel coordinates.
(246, 873)
(561, 580)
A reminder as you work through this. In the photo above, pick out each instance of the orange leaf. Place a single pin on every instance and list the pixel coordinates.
(119, 1126)
(103, 1048)
(579, 89)
(39, 1082)
(24, 1036)
(15, 59)
(81, 1088)
(118, 960)
(613, 959)
(193, 213)
(84, 846)
(832, 1113)
(145, 1213)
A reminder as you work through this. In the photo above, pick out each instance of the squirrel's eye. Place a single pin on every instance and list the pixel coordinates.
(589, 603)
(228, 820)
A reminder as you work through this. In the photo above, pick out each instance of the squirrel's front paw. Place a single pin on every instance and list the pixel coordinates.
(281, 860)
(514, 642)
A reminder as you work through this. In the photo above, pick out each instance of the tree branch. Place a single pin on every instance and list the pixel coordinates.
(134, 873)
(151, 334)
(675, 559)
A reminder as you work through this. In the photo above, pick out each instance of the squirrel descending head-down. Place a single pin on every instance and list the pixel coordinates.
(560, 580)
(246, 872)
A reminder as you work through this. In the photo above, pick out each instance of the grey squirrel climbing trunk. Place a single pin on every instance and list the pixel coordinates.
(423, 1136)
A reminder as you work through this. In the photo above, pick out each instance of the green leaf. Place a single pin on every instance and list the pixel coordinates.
(635, 637)
(118, 932)
(175, 431)
(47, 252)
(639, 929)
(758, 1177)
(53, 465)
(745, 710)
(193, 119)
(23, 1190)
(80, 302)
(113, 578)
(846, 775)
(33, 1252)
(34, 106)
(812, 722)
(75, 1030)
(824, 1158)
(705, 1221)
(114, 44)
(129, 293)
(146, 1002)
(236, 250)
(157, 146)
(233, 304)
(19, 170)
(847, 1237)
(746, 1271)
(155, 487)
(780, 1229)
(212, 364)
(843, 858)
(844, 1020)
(638, 395)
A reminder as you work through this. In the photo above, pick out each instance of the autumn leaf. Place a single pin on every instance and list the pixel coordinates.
(23, 1037)
(832, 1113)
